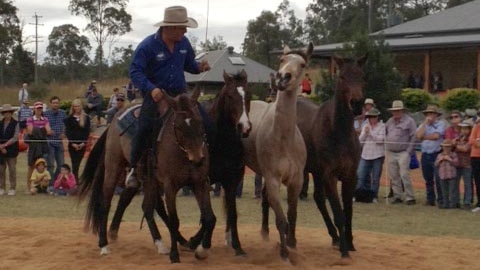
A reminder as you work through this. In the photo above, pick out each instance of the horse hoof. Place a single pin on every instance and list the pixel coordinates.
(201, 253)
(161, 248)
(113, 235)
(265, 236)
(351, 248)
(104, 251)
(240, 252)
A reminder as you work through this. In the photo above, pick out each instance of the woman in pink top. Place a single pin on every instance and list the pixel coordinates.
(474, 141)
(65, 183)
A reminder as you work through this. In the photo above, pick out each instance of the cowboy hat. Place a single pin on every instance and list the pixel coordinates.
(177, 16)
(432, 109)
(397, 105)
(466, 123)
(373, 112)
(40, 160)
(369, 101)
(7, 108)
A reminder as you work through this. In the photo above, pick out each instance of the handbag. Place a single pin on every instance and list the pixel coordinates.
(22, 146)
(414, 164)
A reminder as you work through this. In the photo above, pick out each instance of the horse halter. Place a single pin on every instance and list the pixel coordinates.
(180, 145)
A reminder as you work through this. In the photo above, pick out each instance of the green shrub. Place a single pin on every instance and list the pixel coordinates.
(65, 105)
(460, 99)
(416, 99)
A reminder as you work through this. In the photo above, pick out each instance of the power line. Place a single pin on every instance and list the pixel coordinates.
(36, 44)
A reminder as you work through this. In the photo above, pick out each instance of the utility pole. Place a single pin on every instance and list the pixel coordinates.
(369, 16)
(36, 45)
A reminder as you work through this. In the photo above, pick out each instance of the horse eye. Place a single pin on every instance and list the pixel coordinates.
(303, 65)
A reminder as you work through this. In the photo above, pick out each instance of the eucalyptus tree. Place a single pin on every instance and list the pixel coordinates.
(68, 48)
(10, 34)
(107, 21)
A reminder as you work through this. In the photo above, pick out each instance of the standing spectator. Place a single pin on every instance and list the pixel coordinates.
(56, 117)
(38, 128)
(360, 121)
(40, 177)
(23, 94)
(113, 99)
(446, 164)
(431, 134)
(373, 139)
(306, 85)
(92, 85)
(474, 141)
(400, 140)
(95, 105)
(77, 130)
(453, 133)
(464, 169)
(130, 88)
(119, 105)
(65, 183)
(8, 149)
(23, 114)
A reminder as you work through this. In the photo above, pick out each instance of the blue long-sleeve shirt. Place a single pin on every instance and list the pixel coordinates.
(153, 65)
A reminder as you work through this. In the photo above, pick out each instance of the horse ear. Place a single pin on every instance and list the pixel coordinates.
(286, 49)
(170, 100)
(196, 93)
(338, 60)
(362, 60)
(226, 76)
(309, 50)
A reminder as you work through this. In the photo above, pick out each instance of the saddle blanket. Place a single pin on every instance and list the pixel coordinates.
(127, 122)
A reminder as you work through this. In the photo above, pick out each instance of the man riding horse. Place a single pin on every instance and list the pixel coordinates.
(157, 68)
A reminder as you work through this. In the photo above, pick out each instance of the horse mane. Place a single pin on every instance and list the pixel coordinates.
(184, 103)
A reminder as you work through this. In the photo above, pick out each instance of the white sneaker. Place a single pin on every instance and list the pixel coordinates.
(476, 209)
(11, 192)
(375, 200)
(2, 192)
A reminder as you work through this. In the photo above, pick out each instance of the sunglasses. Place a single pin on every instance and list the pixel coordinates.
(119, 99)
(454, 116)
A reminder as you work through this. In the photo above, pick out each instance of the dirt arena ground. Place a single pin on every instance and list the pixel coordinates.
(61, 244)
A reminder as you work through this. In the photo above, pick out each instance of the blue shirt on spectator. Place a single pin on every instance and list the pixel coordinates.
(154, 66)
(56, 119)
(429, 146)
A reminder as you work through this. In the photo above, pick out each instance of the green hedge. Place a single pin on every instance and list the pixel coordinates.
(416, 99)
(460, 99)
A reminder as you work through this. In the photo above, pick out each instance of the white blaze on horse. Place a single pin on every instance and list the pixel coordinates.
(275, 147)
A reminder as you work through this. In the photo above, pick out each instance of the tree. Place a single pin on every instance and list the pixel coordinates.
(108, 19)
(291, 28)
(122, 57)
(216, 44)
(10, 33)
(68, 48)
(21, 67)
(452, 3)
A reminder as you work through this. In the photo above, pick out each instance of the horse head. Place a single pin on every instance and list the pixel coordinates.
(236, 101)
(188, 127)
(351, 79)
(292, 68)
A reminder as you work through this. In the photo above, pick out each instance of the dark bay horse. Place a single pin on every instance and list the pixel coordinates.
(229, 114)
(182, 149)
(333, 149)
(276, 149)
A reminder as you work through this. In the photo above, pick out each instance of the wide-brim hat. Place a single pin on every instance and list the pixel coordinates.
(176, 16)
(466, 123)
(397, 105)
(369, 101)
(372, 112)
(121, 96)
(7, 108)
(40, 160)
(432, 109)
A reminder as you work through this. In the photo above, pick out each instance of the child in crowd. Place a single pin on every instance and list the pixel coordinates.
(464, 169)
(40, 177)
(446, 164)
(65, 184)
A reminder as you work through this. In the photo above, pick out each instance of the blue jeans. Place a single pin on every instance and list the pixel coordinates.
(466, 174)
(365, 169)
(56, 153)
(432, 180)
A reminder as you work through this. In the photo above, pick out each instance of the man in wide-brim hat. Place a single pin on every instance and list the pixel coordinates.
(158, 67)
(431, 134)
(8, 149)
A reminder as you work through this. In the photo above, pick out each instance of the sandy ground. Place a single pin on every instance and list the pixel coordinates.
(62, 244)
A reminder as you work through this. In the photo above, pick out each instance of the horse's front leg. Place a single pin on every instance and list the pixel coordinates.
(150, 201)
(347, 199)
(173, 223)
(231, 209)
(338, 215)
(207, 218)
(319, 197)
(273, 189)
(265, 212)
(124, 201)
(293, 194)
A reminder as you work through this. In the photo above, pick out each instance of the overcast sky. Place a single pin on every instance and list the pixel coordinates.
(226, 18)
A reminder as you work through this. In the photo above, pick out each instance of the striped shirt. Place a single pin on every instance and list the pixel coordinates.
(37, 123)
(447, 170)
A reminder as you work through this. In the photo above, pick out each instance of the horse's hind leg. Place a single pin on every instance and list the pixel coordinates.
(319, 197)
(231, 207)
(124, 201)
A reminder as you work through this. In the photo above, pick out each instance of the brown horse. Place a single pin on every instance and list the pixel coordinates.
(276, 149)
(333, 149)
(182, 149)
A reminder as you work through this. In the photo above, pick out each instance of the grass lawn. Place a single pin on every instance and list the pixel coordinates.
(386, 218)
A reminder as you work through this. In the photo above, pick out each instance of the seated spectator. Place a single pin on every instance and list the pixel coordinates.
(90, 88)
(40, 177)
(119, 105)
(113, 98)
(65, 184)
(95, 105)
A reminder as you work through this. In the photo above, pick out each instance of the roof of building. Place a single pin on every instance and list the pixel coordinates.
(232, 63)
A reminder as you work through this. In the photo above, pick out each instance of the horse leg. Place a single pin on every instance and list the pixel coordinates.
(150, 202)
(273, 189)
(124, 201)
(173, 223)
(265, 212)
(338, 216)
(102, 233)
(207, 218)
(347, 195)
(231, 208)
(319, 196)
(293, 193)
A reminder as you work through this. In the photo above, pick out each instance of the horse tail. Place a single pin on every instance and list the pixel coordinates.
(92, 180)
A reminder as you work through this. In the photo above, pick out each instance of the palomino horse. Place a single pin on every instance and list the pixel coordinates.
(229, 115)
(276, 149)
(334, 149)
(182, 149)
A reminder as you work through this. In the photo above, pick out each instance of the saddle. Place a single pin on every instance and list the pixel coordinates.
(127, 122)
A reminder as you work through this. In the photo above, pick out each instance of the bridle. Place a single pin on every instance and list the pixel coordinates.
(180, 145)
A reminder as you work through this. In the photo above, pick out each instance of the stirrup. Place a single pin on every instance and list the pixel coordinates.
(131, 181)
